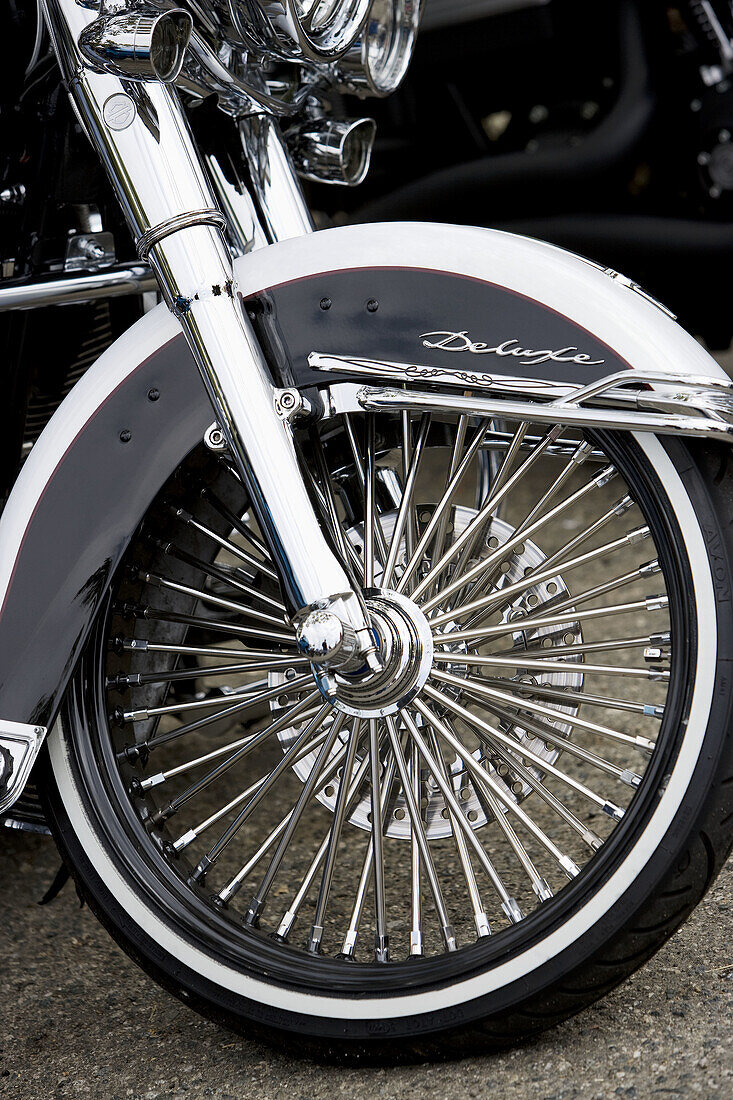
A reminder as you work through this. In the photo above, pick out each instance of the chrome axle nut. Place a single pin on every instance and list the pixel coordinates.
(326, 640)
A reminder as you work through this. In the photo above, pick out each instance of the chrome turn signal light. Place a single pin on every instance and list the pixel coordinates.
(333, 150)
(139, 45)
(377, 61)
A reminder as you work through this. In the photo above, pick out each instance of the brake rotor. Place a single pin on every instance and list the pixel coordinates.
(523, 559)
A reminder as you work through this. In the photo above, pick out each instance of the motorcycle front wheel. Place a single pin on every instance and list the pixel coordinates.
(469, 847)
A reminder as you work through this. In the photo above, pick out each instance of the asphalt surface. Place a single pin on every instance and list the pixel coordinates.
(78, 1019)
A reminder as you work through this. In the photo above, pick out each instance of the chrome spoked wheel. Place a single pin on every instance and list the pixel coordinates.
(534, 639)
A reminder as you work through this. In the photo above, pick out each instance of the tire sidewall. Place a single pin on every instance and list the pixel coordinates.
(97, 873)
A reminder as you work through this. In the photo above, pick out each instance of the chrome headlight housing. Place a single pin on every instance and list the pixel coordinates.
(321, 30)
(378, 59)
(327, 28)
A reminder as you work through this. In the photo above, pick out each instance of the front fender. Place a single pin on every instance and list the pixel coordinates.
(371, 291)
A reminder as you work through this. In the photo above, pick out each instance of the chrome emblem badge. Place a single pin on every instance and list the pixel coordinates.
(461, 341)
(119, 111)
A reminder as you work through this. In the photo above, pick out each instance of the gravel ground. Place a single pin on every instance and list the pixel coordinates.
(80, 1020)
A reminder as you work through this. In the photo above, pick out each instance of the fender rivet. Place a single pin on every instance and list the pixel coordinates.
(125, 436)
(372, 305)
(153, 394)
(325, 304)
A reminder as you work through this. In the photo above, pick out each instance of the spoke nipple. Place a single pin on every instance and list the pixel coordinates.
(542, 890)
(218, 901)
(605, 476)
(569, 866)
(416, 945)
(285, 925)
(162, 814)
(314, 941)
(199, 872)
(449, 937)
(184, 841)
(645, 744)
(623, 506)
(630, 778)
(483, 928)
(152, 781)
(512, 910)
(616, 812)
(349, 947)
(381, 949)
(227, 892)
(252, 916)
(593, 841)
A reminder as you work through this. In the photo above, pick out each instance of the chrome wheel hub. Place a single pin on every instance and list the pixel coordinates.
(405, 647)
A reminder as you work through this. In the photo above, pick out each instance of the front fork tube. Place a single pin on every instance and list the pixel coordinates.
(143, 140)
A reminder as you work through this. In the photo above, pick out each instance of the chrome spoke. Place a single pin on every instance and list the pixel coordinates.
(212, 598)
(455, 461)
(442, 507)
(359, 466)
(554, 737)
(413, 808)
(483, 634)
(558, 651)
(508, 903)
(349, 945)
(569, 696)
(510, 749)
(289, 918)
(324, 490)
(504, 597)
(485, 513)
(495, 496)
(258, 564)
(480, 917)
(417, 943)
(246, 657)
(196, 831)
(225, 575)
(258, 901)
(547, 664)
(381, 939)
(494, 560)
(476, 687)
(242, 748)
(491, 787)
(237, 524)
(248, 697)
(371, 522)
(404, 520)
(232, 630)
(339, 814)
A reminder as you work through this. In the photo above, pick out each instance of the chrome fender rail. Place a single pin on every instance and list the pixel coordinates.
(696, 406)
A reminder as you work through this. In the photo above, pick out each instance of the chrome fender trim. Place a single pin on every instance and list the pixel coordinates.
(86, 485)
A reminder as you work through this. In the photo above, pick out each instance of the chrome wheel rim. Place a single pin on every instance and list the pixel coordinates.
(495, 784)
